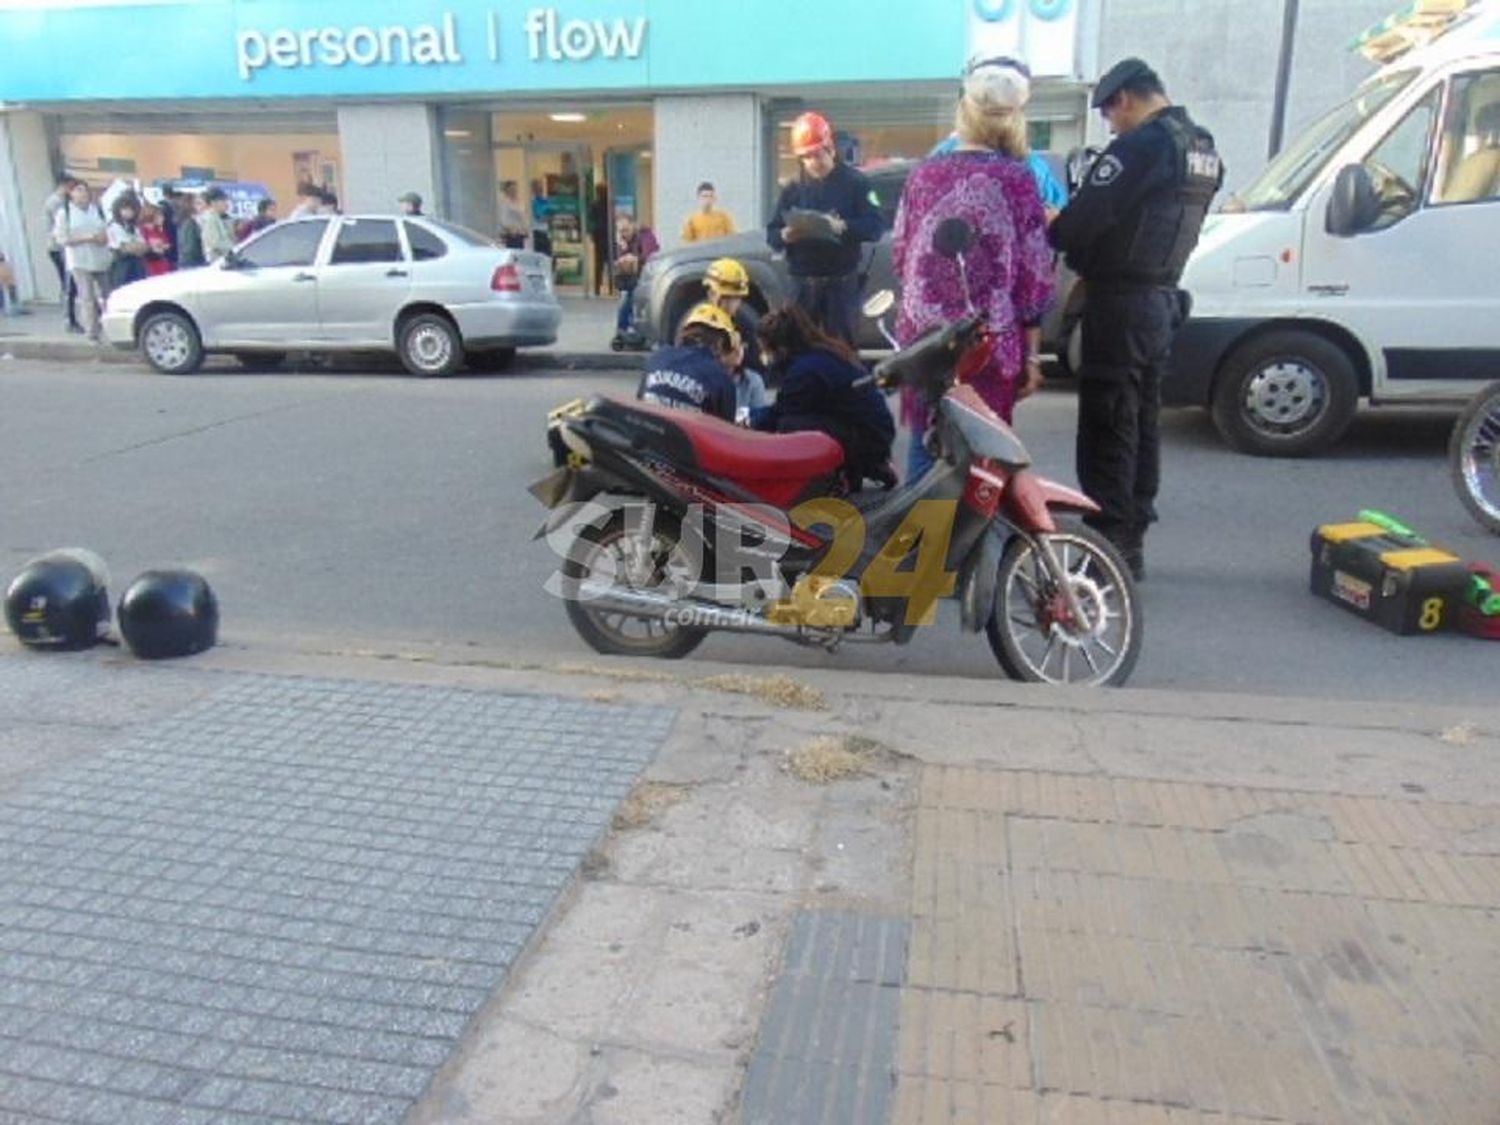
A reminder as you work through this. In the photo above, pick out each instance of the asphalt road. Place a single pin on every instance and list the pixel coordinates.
(378, 508)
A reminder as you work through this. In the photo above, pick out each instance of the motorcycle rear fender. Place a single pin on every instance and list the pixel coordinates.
(564, 490)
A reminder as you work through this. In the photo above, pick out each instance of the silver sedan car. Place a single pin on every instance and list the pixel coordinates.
(436, 294)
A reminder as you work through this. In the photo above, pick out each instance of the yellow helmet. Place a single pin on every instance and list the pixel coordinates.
(711, 316)
(727, 278)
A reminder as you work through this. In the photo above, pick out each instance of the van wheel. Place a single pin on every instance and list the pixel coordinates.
(429, 345)
(1285, 394)
(171, 344)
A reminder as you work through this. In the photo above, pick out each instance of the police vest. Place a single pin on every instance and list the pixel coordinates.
(1151, 247)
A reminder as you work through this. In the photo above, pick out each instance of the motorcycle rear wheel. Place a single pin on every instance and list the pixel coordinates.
(1474, 457)
(1029, 632)
(610, 556)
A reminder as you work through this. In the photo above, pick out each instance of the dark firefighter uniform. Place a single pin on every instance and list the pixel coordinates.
(1128, 233)
(825, 274)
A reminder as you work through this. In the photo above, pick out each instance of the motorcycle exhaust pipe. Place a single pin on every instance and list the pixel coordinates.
(691, 614)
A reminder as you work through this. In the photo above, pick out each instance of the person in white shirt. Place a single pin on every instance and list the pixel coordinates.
(218, 238)
(53, 205)
(81, 231)
(309, 199)
(127, 242)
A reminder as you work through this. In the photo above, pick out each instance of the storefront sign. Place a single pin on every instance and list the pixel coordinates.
(423, 45)
(582, 39)
(167, 50)
(549, 35)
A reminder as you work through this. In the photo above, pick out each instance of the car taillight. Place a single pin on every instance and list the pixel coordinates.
(506, 279)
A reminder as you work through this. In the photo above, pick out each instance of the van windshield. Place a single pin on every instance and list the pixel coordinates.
(1296, 165)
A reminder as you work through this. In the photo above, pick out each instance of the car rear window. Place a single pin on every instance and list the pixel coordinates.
(424, 244)
(462, 234)
(366, 240)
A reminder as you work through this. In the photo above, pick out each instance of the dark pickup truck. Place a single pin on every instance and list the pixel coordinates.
(672, 282)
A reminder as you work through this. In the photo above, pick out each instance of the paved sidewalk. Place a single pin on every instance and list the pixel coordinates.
(588, 324)
(839, 898)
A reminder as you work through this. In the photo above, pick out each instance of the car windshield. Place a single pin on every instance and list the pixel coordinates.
(461, 234)
(1285, 177)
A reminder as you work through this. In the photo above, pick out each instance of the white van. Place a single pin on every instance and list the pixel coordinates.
(1364, 260)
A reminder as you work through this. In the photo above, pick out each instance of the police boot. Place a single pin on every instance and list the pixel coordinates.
(1132, 548)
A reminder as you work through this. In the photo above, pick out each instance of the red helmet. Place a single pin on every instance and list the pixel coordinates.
(811, 132)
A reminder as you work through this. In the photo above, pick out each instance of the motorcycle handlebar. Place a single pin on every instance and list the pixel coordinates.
(929, 361)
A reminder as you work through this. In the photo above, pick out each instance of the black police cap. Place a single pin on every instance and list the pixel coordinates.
(1119, 76)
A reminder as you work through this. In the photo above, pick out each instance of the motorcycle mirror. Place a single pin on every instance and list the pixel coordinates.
(952, 237)
(879, 304)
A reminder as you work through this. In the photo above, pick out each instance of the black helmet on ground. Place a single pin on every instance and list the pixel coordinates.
(60, 600)
(166, 613)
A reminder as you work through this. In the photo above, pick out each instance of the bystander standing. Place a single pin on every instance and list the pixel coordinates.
(82, 232)
(54, 204)
(707, 222)
(213, 221)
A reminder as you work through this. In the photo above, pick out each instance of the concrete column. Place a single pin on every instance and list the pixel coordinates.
(26, 176)
(707, 137)
(388, 149)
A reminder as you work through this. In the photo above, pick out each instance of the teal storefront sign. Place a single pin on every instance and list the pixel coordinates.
(190, 49)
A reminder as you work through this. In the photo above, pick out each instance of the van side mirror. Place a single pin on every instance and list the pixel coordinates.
(1354, 205)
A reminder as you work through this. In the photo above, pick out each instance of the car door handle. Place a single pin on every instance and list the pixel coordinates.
(395, 273)
(305, 277)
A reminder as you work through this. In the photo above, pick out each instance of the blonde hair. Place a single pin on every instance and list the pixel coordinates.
(1000, 129)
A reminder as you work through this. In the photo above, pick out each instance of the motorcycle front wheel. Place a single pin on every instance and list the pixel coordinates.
(1032, 632)
(649, 558)
(1474, 457)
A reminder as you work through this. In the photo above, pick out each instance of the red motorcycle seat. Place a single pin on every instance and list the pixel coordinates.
(743, 455)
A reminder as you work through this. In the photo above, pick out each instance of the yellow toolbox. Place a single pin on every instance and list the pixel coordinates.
(1402, 586)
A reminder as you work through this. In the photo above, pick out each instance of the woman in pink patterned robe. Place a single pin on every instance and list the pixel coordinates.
(986, 182)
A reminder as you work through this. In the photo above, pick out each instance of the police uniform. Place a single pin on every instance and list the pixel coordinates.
(1128, 233)
(825, 281)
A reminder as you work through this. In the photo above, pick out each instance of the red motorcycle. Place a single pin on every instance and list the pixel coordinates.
(673, 525)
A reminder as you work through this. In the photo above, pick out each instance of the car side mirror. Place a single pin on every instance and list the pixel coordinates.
(952, 237)
(1354, 205)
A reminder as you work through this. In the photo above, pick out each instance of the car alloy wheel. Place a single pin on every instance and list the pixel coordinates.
(167, 344)
(430, 347)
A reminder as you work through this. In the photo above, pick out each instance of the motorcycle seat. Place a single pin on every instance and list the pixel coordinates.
(739, 454)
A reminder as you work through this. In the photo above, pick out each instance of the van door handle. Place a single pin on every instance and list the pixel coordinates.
(395, 273)
(305, 277)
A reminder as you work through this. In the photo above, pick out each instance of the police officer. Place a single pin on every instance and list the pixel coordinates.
(1128, 233)
(823, 255)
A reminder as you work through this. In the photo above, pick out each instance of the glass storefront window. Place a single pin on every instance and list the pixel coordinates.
(559, 157)
(272, 152)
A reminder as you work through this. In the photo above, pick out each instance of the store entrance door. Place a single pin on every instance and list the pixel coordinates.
(555, 181)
